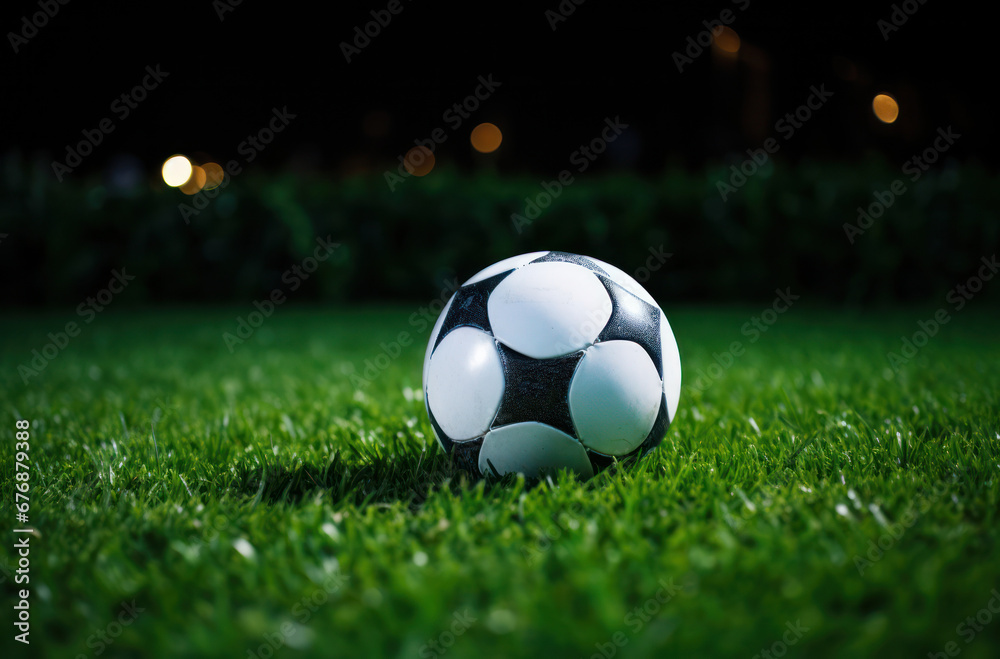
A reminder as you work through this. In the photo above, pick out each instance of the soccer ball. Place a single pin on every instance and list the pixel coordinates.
(550, 360)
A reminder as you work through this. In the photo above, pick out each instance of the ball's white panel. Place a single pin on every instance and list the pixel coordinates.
(549, 309)
(434, 336)
(465, 383)
(671, 366)
(505, 265)
(531, 448)
(614, 397)
(626, 281)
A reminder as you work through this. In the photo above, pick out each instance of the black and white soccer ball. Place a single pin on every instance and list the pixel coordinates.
(550, 360)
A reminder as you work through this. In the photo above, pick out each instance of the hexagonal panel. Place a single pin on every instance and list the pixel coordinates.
(503, 266)
(532, 448)
(465, 383)
(549, 309)
(434, 336)
(671, 367)
(614, 397)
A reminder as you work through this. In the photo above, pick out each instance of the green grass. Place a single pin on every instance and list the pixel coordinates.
(227, 494)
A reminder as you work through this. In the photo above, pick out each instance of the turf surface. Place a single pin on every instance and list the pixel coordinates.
(192, 501)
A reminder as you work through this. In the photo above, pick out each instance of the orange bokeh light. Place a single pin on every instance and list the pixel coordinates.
(486, 138)
(885, 108)
(727, 40)
(214, 174)
(419, 161)
(195, 183)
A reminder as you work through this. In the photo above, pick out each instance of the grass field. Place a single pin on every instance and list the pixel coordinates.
(808, 500)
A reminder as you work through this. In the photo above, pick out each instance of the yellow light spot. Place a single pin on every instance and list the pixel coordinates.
(727, 40)
(419, 161)
(176, 171)
(214, 175)
(486, 138)
(885, 108)
(196, 182)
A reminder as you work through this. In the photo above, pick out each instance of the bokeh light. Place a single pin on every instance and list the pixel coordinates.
(486, 138)
(419, 161)
(885, 108)
(176, 171)
(196, 181)
(727, 40)
(214, 174)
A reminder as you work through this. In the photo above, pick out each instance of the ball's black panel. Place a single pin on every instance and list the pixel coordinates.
(536, 390)
(633, 319)
(599, 461)
(447, 443)
(658, 431)
(466, 455)
(566, 257)
(469, 307)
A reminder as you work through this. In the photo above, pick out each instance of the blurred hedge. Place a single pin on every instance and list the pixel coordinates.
(784, 227)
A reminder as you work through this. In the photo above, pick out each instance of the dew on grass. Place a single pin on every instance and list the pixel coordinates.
(244, 548)
(877, 514)
(501, 621)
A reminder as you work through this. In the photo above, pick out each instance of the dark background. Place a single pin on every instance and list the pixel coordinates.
(657, 185)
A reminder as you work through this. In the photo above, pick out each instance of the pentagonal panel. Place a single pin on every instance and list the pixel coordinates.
(532, 448)
(625, 280)
(632, 319)
(671, 367)
(434, 337)
(512, 263)
(537, 389)
(549, 309)
(614, 397)
(465, 383)
(566, 257)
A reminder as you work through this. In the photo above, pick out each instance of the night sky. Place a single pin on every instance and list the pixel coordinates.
(225, 75)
